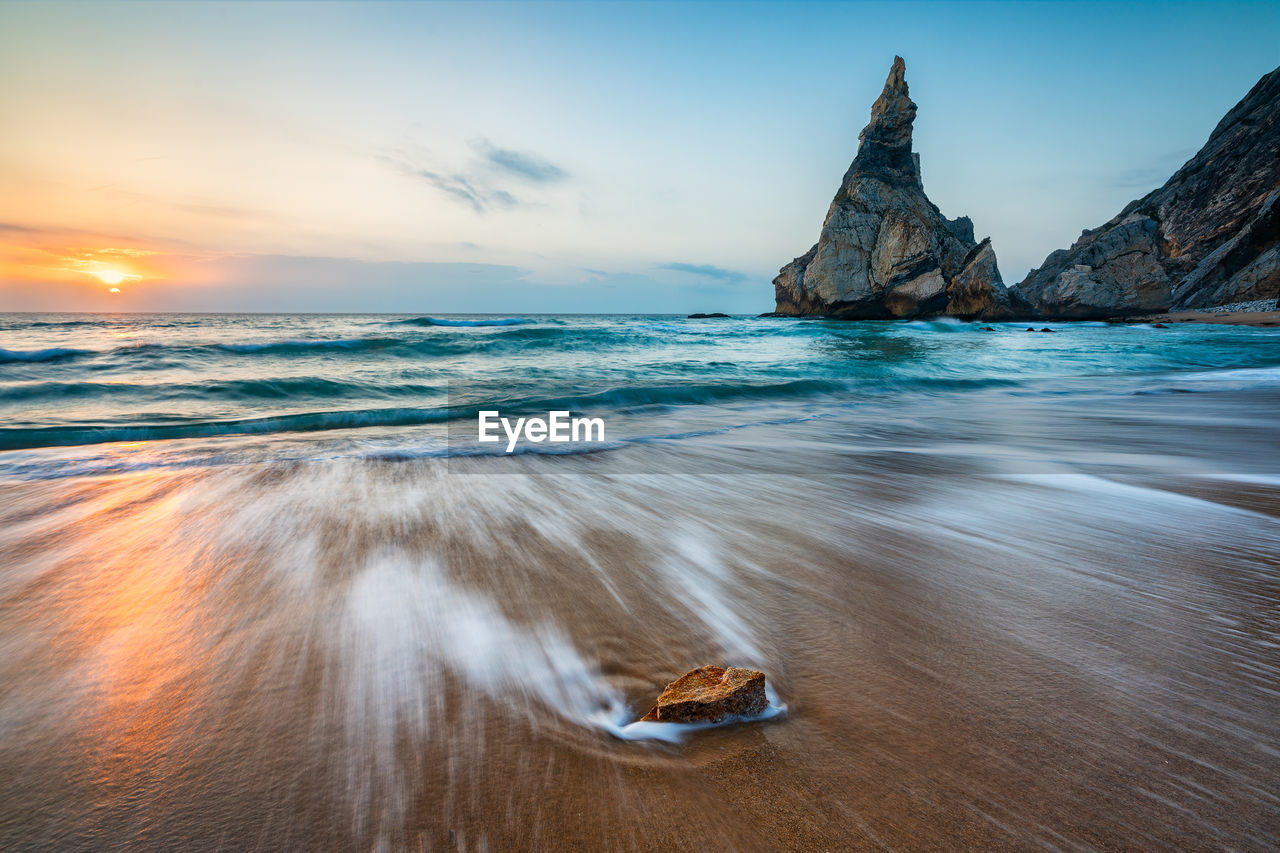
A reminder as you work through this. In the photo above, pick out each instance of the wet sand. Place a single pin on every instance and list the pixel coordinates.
(1042, 626)
(1231, 318)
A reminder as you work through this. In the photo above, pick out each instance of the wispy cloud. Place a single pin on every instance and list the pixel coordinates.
(483, 185)
(14, 228)
(593, 276)
(64, 236)
(706, 271)
(521, 164)
(466, 190)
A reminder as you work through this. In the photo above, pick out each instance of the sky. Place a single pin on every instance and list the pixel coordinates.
(561, 157)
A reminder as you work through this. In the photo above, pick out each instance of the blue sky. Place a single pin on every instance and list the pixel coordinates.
(564, 156)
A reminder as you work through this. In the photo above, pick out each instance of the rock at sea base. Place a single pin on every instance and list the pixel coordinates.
(710, 694)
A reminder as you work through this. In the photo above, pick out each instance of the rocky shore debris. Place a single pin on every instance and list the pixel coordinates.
(1254, 305)
(710, 694)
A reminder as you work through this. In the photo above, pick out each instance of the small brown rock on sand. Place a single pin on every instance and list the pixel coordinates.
(710, 694)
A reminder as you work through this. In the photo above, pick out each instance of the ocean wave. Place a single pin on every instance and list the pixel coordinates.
(1233, 379)
(702, 393)
(1241, 375)
(614, 399)
(285, 347)
(290, 346)
(513, 340)
(299, 347)
(51, 354)
(25, 438)
(466, 404)
(282, 347)
(435, 321)
(941, 324)
(38, 324)
(93, 462)
(265, 388)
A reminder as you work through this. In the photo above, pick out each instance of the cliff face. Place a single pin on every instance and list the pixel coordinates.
(1209, 236)
(885, 250)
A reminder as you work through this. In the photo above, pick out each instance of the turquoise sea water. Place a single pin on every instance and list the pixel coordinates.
(378, 383)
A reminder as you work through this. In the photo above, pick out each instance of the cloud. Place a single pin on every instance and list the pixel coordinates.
(528, 166)
(483, 184)
(593, 276)
(470, 189)
(14, 228)
(465, 189)
(706, 271)
(63, 238)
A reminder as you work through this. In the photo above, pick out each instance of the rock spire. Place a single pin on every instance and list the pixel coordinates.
(885, 250)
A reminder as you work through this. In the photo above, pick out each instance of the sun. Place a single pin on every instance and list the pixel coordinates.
(110, 276)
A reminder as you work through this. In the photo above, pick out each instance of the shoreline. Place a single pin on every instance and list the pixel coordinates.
(1259, 319)
(1227, 318)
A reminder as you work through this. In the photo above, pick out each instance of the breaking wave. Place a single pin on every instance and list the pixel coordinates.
(435, 321)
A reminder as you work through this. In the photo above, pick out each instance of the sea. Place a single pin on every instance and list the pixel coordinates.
(263, 587)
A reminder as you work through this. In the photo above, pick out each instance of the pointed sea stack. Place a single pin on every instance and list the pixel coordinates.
(885, 250)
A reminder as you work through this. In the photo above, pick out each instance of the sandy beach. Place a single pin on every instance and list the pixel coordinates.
(1231, 318)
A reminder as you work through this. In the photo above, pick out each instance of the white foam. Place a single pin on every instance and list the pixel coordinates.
(695, 573)
(1236, 377)
(408, 622)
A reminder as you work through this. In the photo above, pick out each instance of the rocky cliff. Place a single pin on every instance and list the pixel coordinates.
(885, 250)
(1209, 236)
